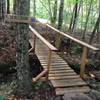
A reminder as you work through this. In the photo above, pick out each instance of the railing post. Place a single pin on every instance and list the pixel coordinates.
(83, 61)
(46, 32)
(58, 41)
(48, 62)
(34, 44)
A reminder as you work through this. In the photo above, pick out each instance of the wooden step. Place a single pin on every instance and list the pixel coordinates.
(62, 91)
(61, 71)
(60, 68)
(67, 83)
(62, 74)
(63, 77)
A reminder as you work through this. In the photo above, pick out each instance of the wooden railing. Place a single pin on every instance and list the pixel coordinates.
(86, 47)
(18, 19)
(50, 49)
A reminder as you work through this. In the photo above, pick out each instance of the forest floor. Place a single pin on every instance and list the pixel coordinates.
(42, 90)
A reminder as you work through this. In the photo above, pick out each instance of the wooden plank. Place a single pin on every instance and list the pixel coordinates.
(65, 83)
(53, 61)
(60, 68)
(56, 66)
(63, 77)
(74, 39)
(63, 74)
(62, 91)
(83, 62)
(61, 71)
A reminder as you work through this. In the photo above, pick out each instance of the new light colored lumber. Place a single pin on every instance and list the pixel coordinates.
(74, 39)
(42, 39)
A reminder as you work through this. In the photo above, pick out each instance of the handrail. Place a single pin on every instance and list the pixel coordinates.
(51, 48)
(43, 39)
(86, 46)
(74, 39)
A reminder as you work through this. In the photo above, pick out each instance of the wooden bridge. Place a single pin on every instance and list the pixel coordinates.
(61, 76)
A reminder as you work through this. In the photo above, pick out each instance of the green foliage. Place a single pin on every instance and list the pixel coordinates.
(1, 98)
(39, 85)
(42, 11)
(76, 49)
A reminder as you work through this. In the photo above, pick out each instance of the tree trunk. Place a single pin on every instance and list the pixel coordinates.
(60, 21)
(55, 12)
(24, 81)
(34, 8)
(78, 6)
(75, 15)
(2, 10)
(87, 18)
(8, 6)
(94, 30)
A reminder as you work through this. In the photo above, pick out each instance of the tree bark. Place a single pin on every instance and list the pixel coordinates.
(8, 6)
(77, 10)
(94, 30)
(55, 12)
(60, 19)
(24, 81)
(87, 18)
(34, 8)
(75, 15)
(2, 10)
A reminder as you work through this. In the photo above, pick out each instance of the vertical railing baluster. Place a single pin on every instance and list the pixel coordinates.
(48, 62)
(83, 61)
(46, 36)
(34, 45)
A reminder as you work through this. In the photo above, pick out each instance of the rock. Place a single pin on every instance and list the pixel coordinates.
(76, 96)
(95, 95)
(58, 98)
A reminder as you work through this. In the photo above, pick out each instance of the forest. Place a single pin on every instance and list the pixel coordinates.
(49, 49)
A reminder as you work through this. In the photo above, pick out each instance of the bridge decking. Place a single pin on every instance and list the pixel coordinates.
(61, 76)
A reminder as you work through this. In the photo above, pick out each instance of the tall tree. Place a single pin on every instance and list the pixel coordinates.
(87, 18)
(75, 14)
(24, 81)
(60, 19)
(51, 7)
(55, 12)
(95, 28)
(2, 10)
(8, 6)
(34, 8)
(60, 22)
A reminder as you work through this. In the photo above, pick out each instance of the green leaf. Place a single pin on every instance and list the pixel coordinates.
(1, 98)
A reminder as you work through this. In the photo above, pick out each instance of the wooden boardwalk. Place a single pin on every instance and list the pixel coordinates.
(61, 76)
